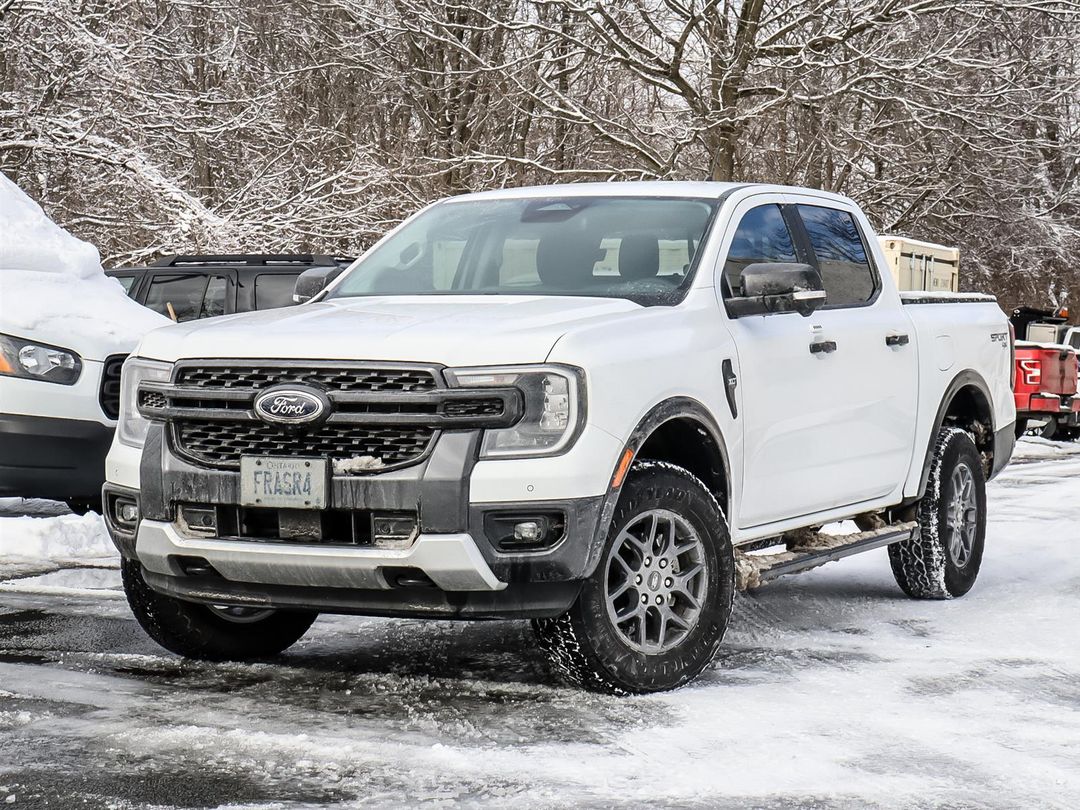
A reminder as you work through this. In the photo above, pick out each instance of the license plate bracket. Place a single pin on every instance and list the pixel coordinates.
(284, 482)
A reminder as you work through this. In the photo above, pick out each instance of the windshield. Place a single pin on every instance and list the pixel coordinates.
(642, 249)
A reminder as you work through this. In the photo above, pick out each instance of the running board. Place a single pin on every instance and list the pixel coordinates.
(754, 570)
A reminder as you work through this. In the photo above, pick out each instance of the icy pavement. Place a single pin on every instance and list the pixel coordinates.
(832, 691)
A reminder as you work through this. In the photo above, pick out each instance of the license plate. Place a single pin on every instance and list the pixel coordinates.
(283, 483)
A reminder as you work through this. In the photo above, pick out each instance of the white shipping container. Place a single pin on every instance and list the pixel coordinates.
(922, 266)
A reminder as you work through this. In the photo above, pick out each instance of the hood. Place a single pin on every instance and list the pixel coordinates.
(448, 330)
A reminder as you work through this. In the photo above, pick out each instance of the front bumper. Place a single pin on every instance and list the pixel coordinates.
(56, 458)
(451, 561)
(454, 568)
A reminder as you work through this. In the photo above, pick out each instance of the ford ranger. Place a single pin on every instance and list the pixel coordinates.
(602, 407)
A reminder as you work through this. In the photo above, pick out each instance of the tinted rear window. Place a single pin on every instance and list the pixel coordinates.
(274, 290)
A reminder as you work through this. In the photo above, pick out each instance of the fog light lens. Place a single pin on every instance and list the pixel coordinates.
(525, 532)
(126, 512)
(528, 532)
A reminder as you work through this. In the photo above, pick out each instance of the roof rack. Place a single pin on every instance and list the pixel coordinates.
(249, 260)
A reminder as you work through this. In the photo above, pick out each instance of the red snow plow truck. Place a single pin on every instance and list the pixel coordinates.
(1045, 385)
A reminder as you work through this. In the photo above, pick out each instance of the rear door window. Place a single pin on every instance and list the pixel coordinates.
(217, 288)
(841, 255)
(273, 290)
(187, 297)
(762, 236)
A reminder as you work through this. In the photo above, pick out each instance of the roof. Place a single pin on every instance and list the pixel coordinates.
(269, 260)
(247, 259)
(707, 189)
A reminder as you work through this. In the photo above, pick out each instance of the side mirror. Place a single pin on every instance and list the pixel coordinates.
(772, 287)
(313, 281)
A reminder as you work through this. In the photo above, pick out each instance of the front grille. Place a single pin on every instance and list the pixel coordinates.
(109, 395)
(393, 414)
(223, 443)
(339, 378)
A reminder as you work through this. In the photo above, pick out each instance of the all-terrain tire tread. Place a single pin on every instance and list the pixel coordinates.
(571, 660)
(919, 564)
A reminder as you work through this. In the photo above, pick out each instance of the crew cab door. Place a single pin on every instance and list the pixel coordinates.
(828, 400)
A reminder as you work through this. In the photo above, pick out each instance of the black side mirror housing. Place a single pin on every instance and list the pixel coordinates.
(767, 288)
(313, 281)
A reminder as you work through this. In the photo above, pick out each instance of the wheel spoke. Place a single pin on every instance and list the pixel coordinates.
(621, 589)
(630, 572)
(684, 577)
(635, 609)
(684, 592)
(636, 542)
(675, 618)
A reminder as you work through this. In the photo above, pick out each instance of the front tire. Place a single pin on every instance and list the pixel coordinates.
(942, 559)
(210, 633)
(652, 615)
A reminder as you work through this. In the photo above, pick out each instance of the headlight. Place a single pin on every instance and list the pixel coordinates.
(554, 408)
(131, 428)
(38, 361)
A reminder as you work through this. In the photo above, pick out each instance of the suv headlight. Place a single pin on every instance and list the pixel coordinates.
(131, 427)
(554, 399)
(38, 361)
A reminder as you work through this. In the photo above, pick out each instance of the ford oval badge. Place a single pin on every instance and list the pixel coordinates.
(291, 405)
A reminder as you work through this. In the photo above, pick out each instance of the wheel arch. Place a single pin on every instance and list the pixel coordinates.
(967, 404)
(678, 430)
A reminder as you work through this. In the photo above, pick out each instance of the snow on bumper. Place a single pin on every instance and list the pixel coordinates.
(451, 561)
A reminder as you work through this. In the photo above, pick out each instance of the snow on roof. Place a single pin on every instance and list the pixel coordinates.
(52, 287)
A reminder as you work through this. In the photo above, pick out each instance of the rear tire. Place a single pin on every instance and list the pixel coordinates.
(210, 633)
(654, 612)
(942, 559)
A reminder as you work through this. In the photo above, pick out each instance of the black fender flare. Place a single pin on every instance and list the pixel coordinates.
(966, 378)
(660, 414)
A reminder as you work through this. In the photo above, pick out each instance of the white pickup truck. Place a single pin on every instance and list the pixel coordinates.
(604, 407)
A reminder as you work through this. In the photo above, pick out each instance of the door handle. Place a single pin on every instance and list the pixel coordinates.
(823, 347)
(897, 340)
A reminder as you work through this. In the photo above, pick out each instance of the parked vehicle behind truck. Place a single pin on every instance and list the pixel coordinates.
(1046, 372)
(190, 287)
(596, 406)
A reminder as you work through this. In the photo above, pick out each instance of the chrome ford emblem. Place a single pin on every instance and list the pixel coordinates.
(291, 406)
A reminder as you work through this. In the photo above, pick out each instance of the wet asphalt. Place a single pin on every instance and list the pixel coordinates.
(832, 691)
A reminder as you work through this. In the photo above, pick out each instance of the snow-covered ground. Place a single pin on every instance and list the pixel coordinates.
(832, 691)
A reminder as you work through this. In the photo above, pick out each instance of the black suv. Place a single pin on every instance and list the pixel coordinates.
(185, 288)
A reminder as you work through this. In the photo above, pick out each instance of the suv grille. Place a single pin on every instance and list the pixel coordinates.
(109, 396)
(331, 378)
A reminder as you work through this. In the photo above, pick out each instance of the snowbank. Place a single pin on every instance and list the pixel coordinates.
(67, 538)
(52, 287)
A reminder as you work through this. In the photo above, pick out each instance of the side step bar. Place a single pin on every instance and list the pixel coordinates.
(754, 570)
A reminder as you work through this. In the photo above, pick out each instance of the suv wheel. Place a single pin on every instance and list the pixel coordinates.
(654, 612)
(211, 632)
(942, 559)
